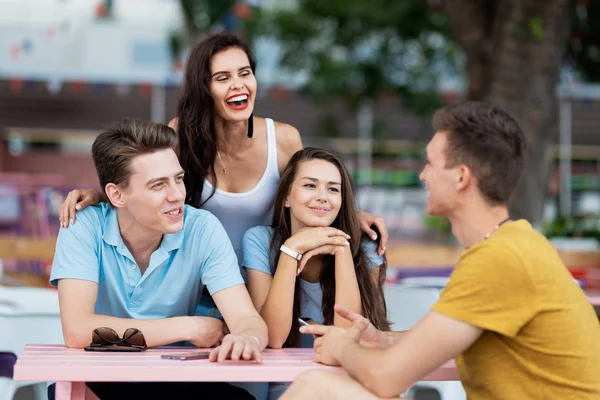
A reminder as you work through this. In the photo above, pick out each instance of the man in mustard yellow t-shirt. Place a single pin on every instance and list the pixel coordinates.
(512, 315)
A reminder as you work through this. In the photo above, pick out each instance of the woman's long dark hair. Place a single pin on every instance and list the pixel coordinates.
(197, 141)
(371, 295)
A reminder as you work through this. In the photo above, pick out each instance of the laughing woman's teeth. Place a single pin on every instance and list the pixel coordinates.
(238, 100)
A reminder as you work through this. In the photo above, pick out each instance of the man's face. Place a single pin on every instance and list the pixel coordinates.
(441, 182)
(155, 195)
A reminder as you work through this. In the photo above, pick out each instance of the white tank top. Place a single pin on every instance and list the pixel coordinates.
(239, 212)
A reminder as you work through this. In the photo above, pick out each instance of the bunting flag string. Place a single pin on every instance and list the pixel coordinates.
(77, 87)
(123, 90)
(242, 10)
(100, 88)
(15, 52)
(27, 46)
(15, 85)
(30, 84)
(145, 89)
(280, 93)
(50, 32)
(54, 86)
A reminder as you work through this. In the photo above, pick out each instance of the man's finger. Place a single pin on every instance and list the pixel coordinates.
(212, 357)
(226, 346)
(347, 314)
(315, 329)
(357, 329)
(318, 343)
(257, 355)
(238, 348)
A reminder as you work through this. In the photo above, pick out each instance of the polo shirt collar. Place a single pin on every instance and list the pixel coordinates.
(112, 235)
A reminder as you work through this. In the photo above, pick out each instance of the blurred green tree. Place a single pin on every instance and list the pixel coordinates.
(355, 50)
(514, 53)
(203, 16)
(352, 51)
(584, 44)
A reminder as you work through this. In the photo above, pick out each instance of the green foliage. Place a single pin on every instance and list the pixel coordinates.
(535, 28)
(437, 224)
(200, 15)
(353, 50)
(584, 44)
(328, 126)
(568, 226)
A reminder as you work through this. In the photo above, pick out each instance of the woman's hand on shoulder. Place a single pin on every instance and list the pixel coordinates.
(367, 221)
(77, 200)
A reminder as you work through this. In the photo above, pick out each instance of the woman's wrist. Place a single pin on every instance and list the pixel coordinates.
(293, 245)
(342, 252)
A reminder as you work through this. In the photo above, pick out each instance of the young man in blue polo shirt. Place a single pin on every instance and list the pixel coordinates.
(142, 260)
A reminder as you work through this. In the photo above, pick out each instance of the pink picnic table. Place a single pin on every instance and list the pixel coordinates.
(71, 368)
(593, 297)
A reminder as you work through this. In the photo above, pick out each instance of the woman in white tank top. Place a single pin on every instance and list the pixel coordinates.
(232, 159)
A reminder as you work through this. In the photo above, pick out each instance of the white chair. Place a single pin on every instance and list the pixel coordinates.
(7, 388)
(407, 304)
(435, 282)
(27, 315)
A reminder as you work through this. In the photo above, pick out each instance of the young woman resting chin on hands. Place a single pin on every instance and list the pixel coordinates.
(312, 256)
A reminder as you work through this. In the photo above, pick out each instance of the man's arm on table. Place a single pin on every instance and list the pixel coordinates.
(433, 341)
(249, 335)
(77, 300)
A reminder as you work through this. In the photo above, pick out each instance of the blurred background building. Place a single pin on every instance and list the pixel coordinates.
(359, 77)
(68, 68)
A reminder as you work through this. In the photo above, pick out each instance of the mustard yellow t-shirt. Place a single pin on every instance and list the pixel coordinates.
(541, 336)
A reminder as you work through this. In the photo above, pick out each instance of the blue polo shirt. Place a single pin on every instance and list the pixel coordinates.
(200, 254)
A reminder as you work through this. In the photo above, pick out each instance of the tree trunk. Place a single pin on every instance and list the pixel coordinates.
(514, 52)
(364, 119)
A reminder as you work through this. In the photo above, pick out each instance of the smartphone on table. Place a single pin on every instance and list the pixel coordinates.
(191, 355)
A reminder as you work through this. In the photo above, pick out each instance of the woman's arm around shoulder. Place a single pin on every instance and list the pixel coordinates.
(173, 123)
(288, 142)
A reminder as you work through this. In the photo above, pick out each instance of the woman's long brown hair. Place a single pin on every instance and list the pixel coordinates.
(197, 141)
(371, 295)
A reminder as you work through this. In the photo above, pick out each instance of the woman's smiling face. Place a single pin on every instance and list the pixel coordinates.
(315, 197)
(232, 85)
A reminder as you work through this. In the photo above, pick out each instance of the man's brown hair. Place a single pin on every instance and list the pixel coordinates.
(114, 148)
(489, 141)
